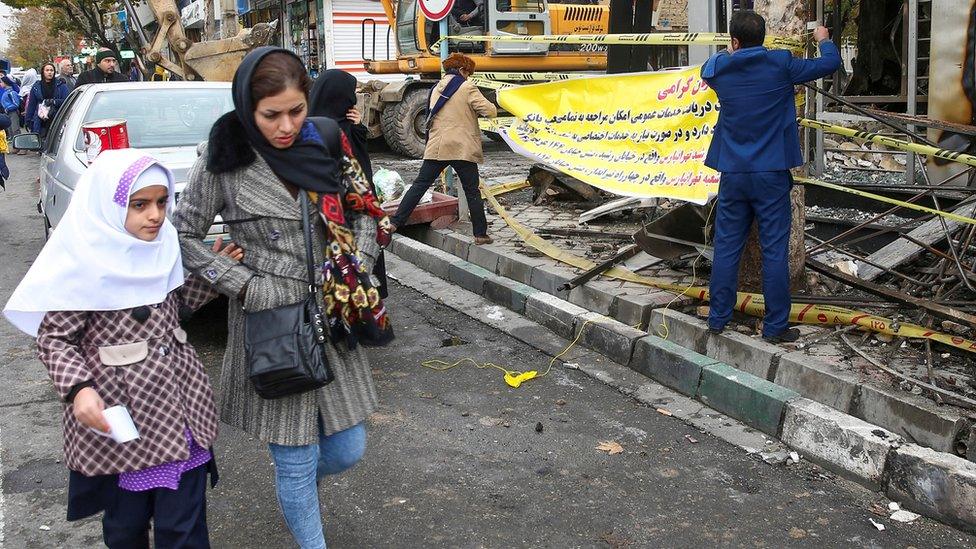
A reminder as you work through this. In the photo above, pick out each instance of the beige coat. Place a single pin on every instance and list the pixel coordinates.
(455, 134)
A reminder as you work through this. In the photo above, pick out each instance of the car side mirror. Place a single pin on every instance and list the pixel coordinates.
(27, 141)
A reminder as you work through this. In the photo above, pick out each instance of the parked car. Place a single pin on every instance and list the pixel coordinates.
(166, 119)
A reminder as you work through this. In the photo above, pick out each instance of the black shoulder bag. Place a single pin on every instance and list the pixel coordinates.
(285, 346)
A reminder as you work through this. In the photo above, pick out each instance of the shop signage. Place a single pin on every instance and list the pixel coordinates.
(435, 10)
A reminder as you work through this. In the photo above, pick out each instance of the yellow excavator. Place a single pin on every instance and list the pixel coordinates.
(397, 111)
(212, 60)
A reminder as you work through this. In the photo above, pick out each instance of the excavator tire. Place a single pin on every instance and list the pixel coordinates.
(403, 123)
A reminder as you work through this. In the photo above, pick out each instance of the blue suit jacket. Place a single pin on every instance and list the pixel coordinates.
(757, 130)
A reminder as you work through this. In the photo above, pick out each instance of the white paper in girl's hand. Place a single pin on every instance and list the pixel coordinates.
(121, 427)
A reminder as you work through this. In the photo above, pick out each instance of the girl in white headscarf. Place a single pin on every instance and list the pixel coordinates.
(104, 299)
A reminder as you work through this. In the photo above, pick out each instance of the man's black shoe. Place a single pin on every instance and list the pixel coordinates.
(716, 331)
(788, 335)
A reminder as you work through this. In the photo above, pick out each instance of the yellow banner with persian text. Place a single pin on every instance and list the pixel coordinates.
(641, 135)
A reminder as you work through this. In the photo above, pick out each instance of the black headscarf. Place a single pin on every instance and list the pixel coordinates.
(333, 94)
(47, 86)
(307, 164)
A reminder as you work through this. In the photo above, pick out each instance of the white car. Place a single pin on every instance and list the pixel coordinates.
(165, 119)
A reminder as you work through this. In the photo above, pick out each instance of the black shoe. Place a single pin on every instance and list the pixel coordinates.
(788, 335)
(716, 331)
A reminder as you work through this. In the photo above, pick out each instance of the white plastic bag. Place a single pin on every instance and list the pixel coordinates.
(389, 185)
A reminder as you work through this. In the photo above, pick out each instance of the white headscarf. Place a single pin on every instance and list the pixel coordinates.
(26, 83)
(91, 263)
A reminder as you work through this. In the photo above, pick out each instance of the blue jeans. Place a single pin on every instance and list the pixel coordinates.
(742, 197)
(297, 472)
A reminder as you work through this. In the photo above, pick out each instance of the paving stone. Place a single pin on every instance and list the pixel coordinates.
(556, 314)
(675, 326)
(486, 256)
(935, 484)
(518, 267)
(748, 354)
(918, 420)
(816, 380)
(457, 244)
(548, 277)
(507, 292)
(635, 308)
(669, 364)
(842, 443)
(595, 295)
(435, 261)
(755, 401)
(469, 276)
(613, 339)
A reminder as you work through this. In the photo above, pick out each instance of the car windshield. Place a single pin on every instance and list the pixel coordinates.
(161, 117)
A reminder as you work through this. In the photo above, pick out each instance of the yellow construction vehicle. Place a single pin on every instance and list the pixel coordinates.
(212, 60)
(397, 111)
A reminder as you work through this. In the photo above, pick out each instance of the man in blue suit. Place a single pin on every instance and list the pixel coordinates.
(756, 143)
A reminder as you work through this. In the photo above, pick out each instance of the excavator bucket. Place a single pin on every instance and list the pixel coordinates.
(217, 60)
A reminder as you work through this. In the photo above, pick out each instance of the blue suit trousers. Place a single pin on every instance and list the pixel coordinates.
(742, 197)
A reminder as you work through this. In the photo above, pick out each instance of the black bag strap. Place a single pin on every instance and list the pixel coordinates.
(307, 231)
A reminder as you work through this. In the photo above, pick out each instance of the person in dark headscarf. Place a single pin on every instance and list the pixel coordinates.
(258, 159)
(334, 96)
(46, 97)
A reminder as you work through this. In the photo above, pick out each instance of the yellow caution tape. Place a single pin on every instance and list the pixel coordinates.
(898, 144)
(531, 76)
(747, 303)
(646, 39)
(885, 199)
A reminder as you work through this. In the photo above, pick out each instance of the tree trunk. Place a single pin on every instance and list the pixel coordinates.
(788, 18)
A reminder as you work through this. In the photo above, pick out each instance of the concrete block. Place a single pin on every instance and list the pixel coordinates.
(425, 234)
(634, 309)
(816, 380)
(669, 364)
(469, 276)
(613, 339)
(457, 244)
(752, 400)
(555, 314)
(436, 262)
(518, 267)
(754, 356)
(595, 295)
(685, 330)
(508, 293)
(935, 484)
(842, 443)
(919, 421)
(486, 256)
(548, 277)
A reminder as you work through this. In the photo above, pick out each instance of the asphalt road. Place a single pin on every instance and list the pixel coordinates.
(455, 459)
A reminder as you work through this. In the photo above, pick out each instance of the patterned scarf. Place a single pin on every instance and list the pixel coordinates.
(353, 306)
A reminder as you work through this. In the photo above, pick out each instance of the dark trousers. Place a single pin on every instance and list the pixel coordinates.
(429, 171)
(179, 517)
(742, 197)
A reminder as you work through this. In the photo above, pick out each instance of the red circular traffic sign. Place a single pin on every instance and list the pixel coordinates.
(435, 10)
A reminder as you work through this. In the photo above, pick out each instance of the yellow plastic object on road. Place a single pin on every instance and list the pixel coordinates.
(647, 39)
(747, 303)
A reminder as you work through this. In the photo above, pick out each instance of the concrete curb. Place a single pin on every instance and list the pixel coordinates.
(929, 482)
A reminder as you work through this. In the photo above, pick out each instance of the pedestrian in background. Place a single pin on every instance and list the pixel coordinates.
(252, 171)
(334, 96)
(105, 71)
(104, 299)
(46, 98)
(454, 140)
(10, 104)
(756, 143)
(4, 150)
(66, 70)
(26, 85)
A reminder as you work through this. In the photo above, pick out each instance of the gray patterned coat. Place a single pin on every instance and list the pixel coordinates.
(270, 232)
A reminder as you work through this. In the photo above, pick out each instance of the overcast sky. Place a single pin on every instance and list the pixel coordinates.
(5, 24)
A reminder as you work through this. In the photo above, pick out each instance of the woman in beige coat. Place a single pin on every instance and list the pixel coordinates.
(454, 140)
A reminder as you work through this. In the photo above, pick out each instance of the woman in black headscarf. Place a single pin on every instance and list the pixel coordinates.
(258, 159)
(46, 97)
(334, 96)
